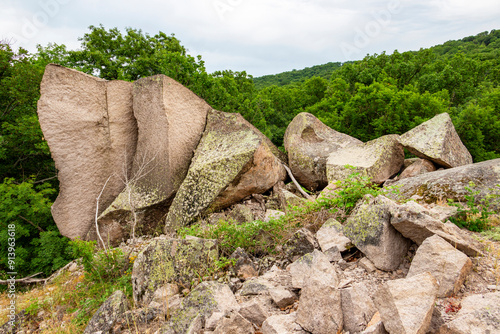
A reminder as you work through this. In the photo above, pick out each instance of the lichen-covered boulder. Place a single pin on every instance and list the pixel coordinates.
(171, 261)
(203, 301)
(413, 222)
(105, 317)
(406, 305)
(437, 140)
(451, 183)
(448, 265)
(378, 159)
(370, 230)
(91, 131)
(330, 235)
(315, 263)
(232, 161)
(309, 142)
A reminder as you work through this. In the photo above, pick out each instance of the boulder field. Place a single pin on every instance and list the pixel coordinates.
(148, 157)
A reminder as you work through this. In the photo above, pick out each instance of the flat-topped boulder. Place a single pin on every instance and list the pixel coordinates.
(378, 159)
(91, 131)
(232, 161)
(438, 141)
(450, 183)
(309, 142)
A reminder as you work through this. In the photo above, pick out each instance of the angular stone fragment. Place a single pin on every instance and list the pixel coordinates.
(378, 159)
(234, 324)
(448, 265)
(357, 308)
(171, 261)
(375, 326)
(438, 141)
(421, 166)
(412, 222)
(91, 131)
(282, 297)
(406, 305)
(369, 227)
(330, 235)
(273, 215)
(255, 286)
(241, 214)
(206, 299)
(254, 312)
(244, 267)
(450, 183)
(232, 161)
(313, 263)
(309, 142)
(320, 308)
(299, 244)
(105, 317)
(479, 314)
(282, 324)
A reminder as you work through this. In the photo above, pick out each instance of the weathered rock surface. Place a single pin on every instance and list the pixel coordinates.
(406, 305)
(369, 227)
(171, 261)
(315, 262)
(109, 312)
(244, 267)
(234, 324)
(206, 299)
(232, 161)
(309, 142)
(479, 314)
(438, 141)
(357, 307)
(300, 243)
(375, 326)
(254, 312)
(91, 131)
(421, 166)
(320, 309)
(451, 183)
(448, 265)
(241, 214)
(282, 324)
(411, 221)
(273, 215)
(256, 286)
(282, 297)
(379, 159)
(330, 235)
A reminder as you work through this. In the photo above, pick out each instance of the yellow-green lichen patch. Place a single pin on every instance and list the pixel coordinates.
(365, 225)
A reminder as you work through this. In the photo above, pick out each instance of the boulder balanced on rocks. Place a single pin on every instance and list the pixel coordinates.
(309, 142)
(379, 159)
(232, 161)
(438, 141)
(90, 128)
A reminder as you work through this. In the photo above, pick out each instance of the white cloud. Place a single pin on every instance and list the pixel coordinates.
(261, 36)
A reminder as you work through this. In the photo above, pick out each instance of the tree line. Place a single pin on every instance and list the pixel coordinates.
(380, 94)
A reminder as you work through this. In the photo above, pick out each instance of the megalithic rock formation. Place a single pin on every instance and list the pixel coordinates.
(91, 131)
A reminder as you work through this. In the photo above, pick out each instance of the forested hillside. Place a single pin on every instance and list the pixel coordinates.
(285, 78)
(381, 94)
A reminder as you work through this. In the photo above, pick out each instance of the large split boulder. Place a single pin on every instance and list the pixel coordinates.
(451, 183)
(309, 142)
(437, 140)
(448, 265)
(165, 261)
(232, 161)
(91, 131)
(370, 230)
(378, 159)
(171, 120)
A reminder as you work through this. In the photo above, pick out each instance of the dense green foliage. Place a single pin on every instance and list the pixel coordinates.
(285, 78)
(378, 95)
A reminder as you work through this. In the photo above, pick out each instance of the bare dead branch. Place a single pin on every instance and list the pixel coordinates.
(299, 187)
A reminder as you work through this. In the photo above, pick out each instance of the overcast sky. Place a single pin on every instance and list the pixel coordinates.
(258, 36)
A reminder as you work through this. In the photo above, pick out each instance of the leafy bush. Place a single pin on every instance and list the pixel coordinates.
(39, 245)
